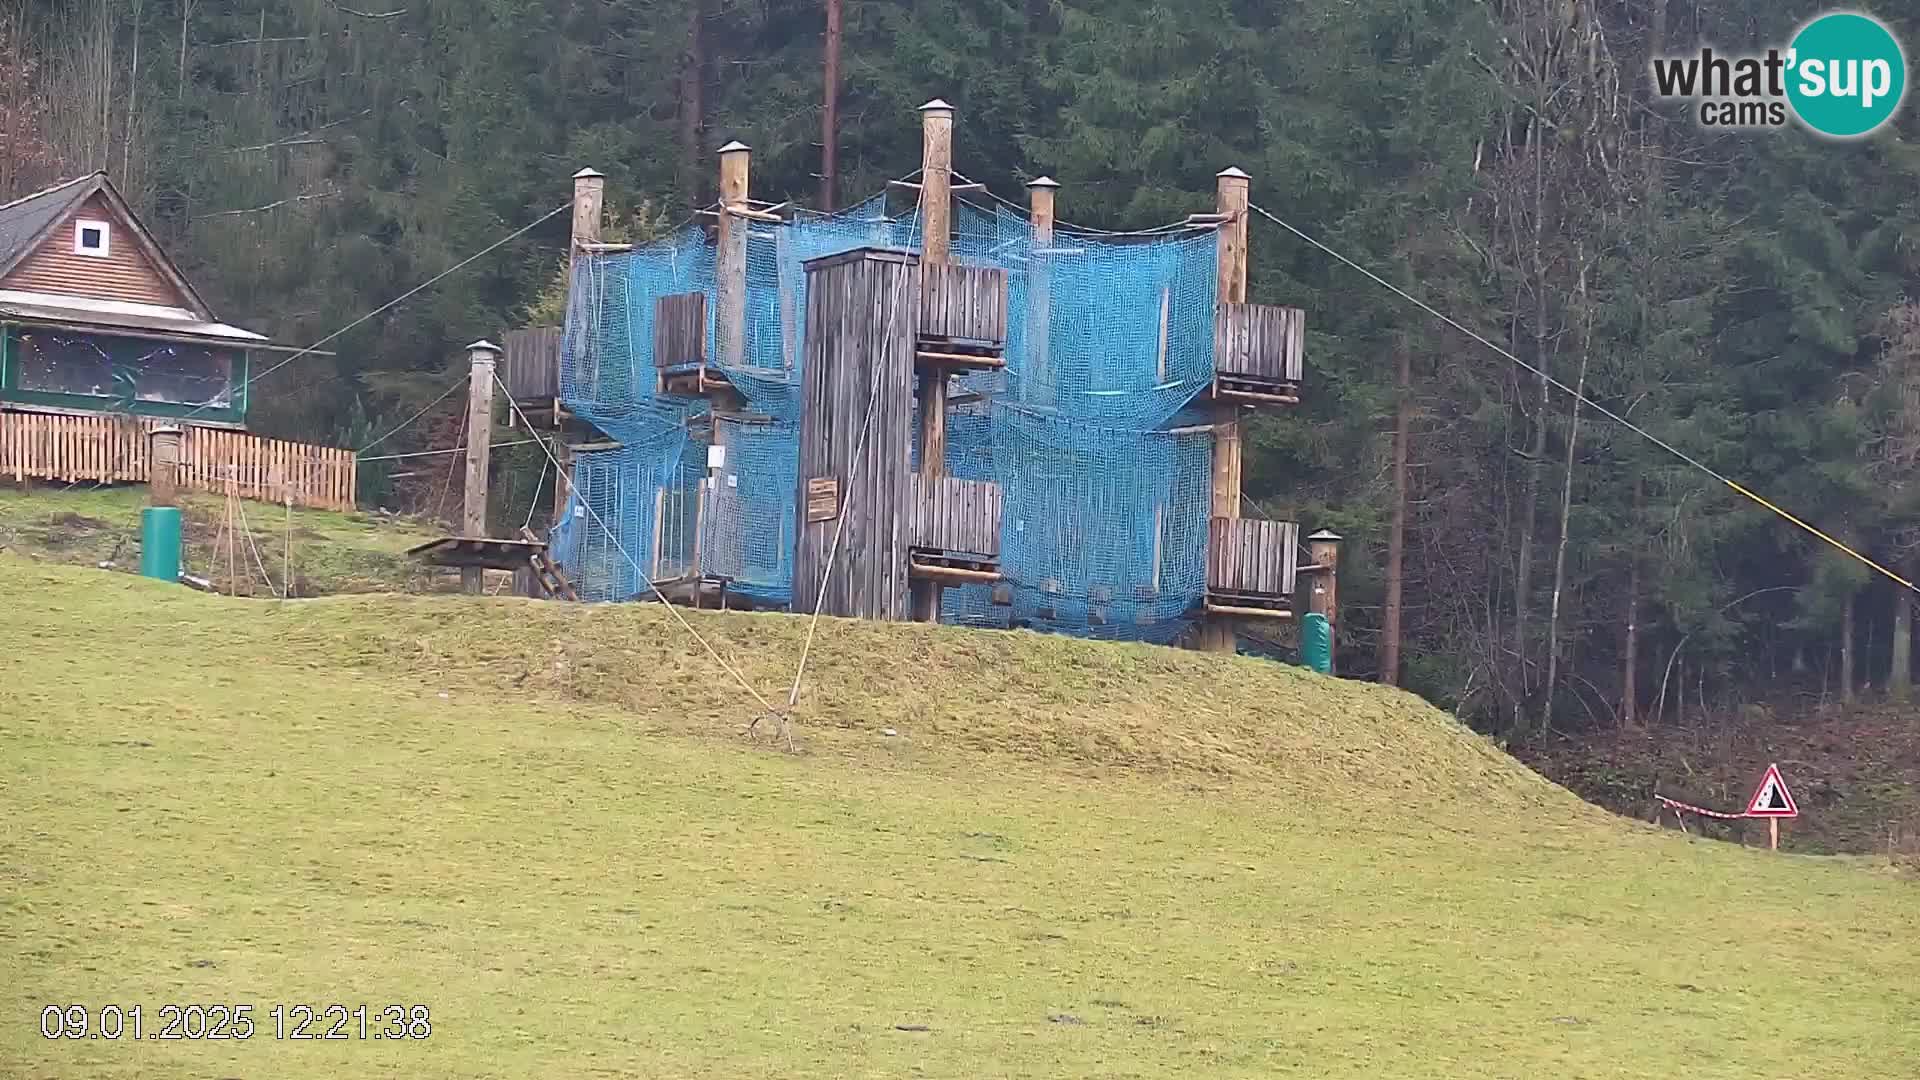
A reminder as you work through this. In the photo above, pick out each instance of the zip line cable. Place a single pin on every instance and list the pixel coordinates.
(644, 576)
(1656, 440)
(398, 300)
(402, 424)
(449, 450)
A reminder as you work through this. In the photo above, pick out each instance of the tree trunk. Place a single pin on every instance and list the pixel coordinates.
(1566, 511)
(1523, 573)
(1900, 677)
(830, 111)
(186, 25)
(1846, 649)
(693, 120)
(1397, 531)
(1629, 680)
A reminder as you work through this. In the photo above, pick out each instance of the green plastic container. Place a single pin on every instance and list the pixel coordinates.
(1316, 643)
(160, 542)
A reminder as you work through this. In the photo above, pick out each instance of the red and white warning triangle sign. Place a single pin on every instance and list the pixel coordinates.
(1771, 798)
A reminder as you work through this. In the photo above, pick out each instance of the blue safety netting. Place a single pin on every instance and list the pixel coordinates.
(1105, 482)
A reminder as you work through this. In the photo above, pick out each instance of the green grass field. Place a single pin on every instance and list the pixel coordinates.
(542, 822)
(331, 552)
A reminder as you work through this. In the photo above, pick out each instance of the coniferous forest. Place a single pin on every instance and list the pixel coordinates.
(1751, 298)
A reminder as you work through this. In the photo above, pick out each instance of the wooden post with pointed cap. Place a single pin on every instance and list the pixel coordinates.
(589, 210)
(936, 220)
(1233, 196)
(1037, 381)
(936, 181)
(481, 355)
(1323, 548)
(163, 465)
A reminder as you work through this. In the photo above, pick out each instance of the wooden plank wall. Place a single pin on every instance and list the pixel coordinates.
(1259, 341)
(964, 303)
(1248, 555)
(959, 516)
(532, 362)
(107, 449)
(680, 329)
(862, 309)
(125, 273)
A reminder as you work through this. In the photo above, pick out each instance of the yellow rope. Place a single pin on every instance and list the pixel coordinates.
(1599, 408)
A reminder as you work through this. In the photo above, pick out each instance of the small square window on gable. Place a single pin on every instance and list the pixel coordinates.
(92, 237)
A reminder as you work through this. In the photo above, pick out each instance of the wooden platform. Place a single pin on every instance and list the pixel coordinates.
(484, 552)
(699, 592)
(1248, 605)
(698, 381)
(952, 568)
(949, 355)
(1254, 391)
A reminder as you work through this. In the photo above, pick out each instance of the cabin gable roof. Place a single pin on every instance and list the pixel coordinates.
(32, 232)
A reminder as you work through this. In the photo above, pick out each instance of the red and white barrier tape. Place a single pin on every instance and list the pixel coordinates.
(1675, 804)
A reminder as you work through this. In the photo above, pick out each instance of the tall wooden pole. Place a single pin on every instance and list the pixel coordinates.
(473, 519)
(730, 261)
(1232, 197)
(711, 507)
(589, 203)
(830, 111)
(1323, 548)
(1036, 381)
(936, 220)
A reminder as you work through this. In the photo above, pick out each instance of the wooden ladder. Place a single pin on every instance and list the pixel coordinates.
(546, 574)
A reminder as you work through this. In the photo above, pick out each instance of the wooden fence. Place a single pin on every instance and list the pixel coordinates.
(74, 449)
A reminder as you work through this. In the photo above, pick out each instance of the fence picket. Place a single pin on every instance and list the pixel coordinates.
(73, 449)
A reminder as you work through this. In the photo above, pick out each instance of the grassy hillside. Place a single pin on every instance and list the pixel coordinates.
(541, 822)
(331, 552)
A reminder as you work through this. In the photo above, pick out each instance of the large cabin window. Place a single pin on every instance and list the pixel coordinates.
(121, 370)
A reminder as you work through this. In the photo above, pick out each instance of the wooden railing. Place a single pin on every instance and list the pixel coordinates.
(680, 330)
(959, 517)
(1260, 341)
(963, 304)
(531, 364)
(74, 449)
(1254, 557)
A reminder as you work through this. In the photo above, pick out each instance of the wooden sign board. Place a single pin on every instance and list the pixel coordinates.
(823, 498)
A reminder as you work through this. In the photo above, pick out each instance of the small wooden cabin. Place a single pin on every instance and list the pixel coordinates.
(95, 318)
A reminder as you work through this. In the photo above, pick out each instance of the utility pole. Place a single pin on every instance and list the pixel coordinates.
(1232, 198)
(473, 519)
(830, 111)
(936, 221)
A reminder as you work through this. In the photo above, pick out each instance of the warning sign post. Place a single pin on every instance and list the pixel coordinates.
(1772, 800)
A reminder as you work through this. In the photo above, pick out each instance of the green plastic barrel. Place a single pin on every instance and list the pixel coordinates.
(1316, 643)
(160, 542)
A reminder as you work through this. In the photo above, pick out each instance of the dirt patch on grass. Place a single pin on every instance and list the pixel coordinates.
(77, 521)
